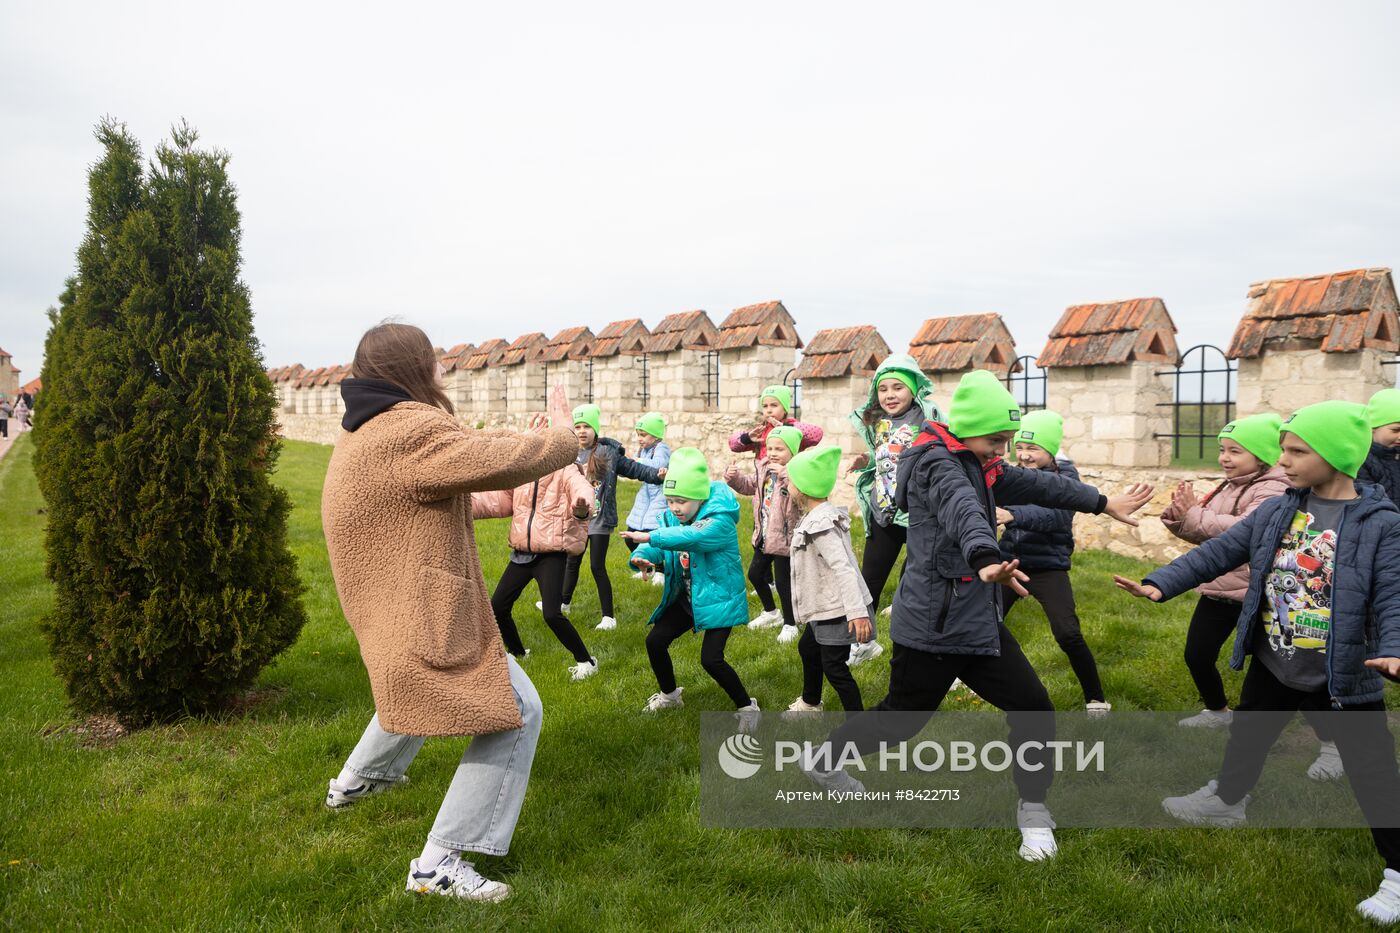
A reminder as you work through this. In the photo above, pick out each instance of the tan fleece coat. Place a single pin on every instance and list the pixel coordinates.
(541, 512)
(1211, 517)
(396, 509)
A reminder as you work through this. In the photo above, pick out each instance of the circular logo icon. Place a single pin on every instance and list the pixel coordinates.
(740, 756)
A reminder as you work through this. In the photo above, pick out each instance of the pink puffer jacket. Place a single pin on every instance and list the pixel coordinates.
(783, 519)
(1212, 516)
(541, 513)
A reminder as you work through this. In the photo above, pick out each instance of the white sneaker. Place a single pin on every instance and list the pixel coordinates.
(863, 651)
(660, 701)
(658, 579)
(1097, 709)
(766, 619)
(1328, 766)
(788, 634)
(638, 576)
(747, 717)
(1037, 831)
(339, 795)
(539, 604)
(837, 780)
(454, 876)
(1204, 808)
(607, 625)
(1384, 905)
(1208, 719)
(583, 669)
(888, 611)
(800, 709)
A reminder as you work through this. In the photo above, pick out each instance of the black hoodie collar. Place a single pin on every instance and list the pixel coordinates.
(365, 398)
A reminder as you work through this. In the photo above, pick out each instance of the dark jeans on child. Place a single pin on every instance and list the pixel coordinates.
(1367, 748)
(1052, 589)
(597, 548)
(919, 680)
(818, 659)
(765, 567)
(548, 571)
(882, 547)
(674, 623)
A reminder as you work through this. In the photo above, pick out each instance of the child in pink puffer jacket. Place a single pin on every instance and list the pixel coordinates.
(775, 518)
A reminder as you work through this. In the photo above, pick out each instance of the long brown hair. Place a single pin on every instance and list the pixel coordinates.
(401, 354)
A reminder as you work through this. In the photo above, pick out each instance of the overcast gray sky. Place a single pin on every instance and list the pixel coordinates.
(492, 169)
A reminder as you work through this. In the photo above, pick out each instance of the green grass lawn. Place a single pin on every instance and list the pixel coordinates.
(219, 824)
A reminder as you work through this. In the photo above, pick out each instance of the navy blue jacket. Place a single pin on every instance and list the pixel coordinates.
(1041, 538)
(1382, 467)
(1365, 584)
(941, 605)
(613, 462)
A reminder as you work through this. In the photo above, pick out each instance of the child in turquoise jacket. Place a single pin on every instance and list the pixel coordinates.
(696, 547)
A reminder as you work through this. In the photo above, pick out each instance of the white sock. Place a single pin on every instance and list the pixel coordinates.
(432, 856)
(348, 778)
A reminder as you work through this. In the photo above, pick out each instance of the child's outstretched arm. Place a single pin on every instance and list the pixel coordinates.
(1210, 560)
(811, 434)
(711, 533)
(646, 555)
(1039, 518)
(1040, 487)
(741, 443)
(641, 472)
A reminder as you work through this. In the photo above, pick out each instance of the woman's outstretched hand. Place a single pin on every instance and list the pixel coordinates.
(537, 423)
(1121, 507)
(559, 410)
(1141, 590)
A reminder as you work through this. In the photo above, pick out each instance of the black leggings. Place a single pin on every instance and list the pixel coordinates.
(1052, 589)
(597, 548)
(919, 680)
(1363, 740)
(1212, 624)
(765, 567)
(818, 659)
(882, 547)
(674, 623)
(548, 571)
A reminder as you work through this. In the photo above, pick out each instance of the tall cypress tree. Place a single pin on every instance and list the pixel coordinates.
(167, 539)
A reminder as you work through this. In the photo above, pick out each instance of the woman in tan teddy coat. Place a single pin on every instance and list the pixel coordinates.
(398, 524)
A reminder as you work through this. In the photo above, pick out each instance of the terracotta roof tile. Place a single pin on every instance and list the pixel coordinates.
(1338, 313)
(488, 353)
(628, 336)
(1111, 333)
(767, 323)
(963, 342)
(688, 330)
(32, 386)
(843, 351)
(571, 343)
(524, 349)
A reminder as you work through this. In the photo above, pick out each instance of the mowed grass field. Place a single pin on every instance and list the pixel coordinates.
(218, 823)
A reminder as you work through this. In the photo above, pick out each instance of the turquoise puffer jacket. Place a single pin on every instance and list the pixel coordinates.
(718, 596)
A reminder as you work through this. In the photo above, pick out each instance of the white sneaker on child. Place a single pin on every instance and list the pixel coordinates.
(639, 575)
(887, 611)
(800, 709)
(1328, 766)
(1037, 831)
(747, 717)
(607, 625)
(658, 579)
(583, 669)
(1208, 719)
(1097, 709)
(766, 619)
(1383, 906)
(454, 876)
(836, 779)
(788, 634)
(539, 604)
(1204, 808)
(659, 701)
(340, 795)
(863, 651)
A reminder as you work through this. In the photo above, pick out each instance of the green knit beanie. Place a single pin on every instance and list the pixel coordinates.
(982, 405)
(1338, 431)
(590, 415)
(688, 476)
(788, 435)
(814, 471)
(782, 393)
(1257, 434)
(1384, 408)
(902, 376)
(1045, 429)
(653, 423)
